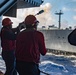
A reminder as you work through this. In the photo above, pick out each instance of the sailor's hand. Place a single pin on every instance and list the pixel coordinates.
(21, 25)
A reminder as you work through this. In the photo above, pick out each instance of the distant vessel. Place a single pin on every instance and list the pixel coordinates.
(57, 39)
(57, 42)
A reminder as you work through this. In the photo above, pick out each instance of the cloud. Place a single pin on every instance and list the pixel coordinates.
(74, 17)
(65, 9)
(69, 9)
(44, 18)
(75, 9)
(64, 24)
(74, 0)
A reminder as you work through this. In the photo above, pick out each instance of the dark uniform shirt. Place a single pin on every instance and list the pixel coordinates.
(30, 44)
(8, 39)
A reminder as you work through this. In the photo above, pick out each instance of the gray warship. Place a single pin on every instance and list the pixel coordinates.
(56, 41)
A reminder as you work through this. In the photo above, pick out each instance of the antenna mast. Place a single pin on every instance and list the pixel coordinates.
(60, 13)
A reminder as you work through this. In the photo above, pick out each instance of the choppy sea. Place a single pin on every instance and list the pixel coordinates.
(52, 64)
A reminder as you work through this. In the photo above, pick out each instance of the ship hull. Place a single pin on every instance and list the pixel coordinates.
(58, 40)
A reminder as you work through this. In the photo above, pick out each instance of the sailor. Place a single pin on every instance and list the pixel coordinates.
(8, 44)
(29, 45)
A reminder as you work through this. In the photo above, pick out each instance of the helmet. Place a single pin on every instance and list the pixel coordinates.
(30, 20)
(6, 22)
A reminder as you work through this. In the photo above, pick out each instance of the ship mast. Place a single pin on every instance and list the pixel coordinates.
(60, 13)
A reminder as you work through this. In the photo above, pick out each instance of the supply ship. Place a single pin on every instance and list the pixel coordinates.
(57, 41)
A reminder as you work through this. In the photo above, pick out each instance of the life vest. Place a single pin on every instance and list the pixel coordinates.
(7, 44)
(29, 46)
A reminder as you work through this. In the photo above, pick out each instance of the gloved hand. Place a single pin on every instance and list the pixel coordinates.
(21, 25)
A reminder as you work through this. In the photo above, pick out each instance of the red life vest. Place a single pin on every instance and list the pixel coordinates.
(7, 44)
(29, 46)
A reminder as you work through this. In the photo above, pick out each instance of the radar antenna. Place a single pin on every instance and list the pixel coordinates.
(60, 13)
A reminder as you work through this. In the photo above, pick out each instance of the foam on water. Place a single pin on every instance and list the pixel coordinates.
(53, 65)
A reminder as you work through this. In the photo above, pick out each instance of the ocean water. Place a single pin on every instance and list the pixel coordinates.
(58, 64)
(52, 64)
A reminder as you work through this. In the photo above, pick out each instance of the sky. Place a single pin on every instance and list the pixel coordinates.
(68, 8)
(48, 18)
